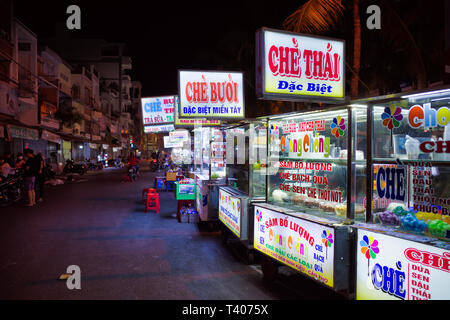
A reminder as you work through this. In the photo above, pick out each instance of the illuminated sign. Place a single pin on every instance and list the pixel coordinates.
(426, 116)
(211, 94)
(170, 144)
(393, 268)
(159, 128)
(178, 136)
(292, 66)
(158, 110)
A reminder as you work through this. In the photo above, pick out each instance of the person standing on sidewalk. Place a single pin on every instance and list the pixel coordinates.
(40, 177)
(31, 171)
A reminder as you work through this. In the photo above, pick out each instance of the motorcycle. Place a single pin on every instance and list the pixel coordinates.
(132, 173)
(153, 165)
(11, 190)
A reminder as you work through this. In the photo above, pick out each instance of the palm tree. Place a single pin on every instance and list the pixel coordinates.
(320, 16)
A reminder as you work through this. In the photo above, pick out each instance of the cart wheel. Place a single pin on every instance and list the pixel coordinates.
(269, 269)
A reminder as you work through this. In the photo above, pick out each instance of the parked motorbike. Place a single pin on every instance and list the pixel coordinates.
(11, 190)
(153, 165)
(72, 167)
(49, 173)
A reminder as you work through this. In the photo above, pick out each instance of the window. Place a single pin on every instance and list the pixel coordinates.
(76, 92)
(24, 46)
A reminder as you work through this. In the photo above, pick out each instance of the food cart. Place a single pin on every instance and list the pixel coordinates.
(246, 181)
(315, 162)
(209, 170)
(402, 249)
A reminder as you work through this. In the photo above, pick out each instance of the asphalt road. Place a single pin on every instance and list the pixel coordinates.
(99, 224)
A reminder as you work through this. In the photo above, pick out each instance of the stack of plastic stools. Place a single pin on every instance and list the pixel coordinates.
(152, 201)
(145, 192)
(160, 185)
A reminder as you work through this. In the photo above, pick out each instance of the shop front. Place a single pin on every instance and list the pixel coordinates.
(26, 138)
(67, 150)
(54, 151)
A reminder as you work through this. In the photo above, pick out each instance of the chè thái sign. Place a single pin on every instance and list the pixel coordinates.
(211, 94)
(393, 268)
(292, 66)
(302, 245)
(158, 110)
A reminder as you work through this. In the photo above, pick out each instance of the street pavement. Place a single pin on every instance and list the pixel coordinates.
(99, 224)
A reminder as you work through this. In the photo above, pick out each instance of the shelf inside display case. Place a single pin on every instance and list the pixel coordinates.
(247, 148)
(411, 167)
(309, 168)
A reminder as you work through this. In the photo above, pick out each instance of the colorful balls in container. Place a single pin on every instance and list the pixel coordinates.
(389, 218)
(400, 211)
(428, 216)
(411, 223)
(446, 219)
(438, 228)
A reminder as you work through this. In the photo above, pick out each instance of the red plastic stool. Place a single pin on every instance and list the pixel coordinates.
(152, 202)
(147, 191)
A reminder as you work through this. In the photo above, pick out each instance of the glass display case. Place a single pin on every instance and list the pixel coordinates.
(209, 170)
(316, 180)
(246, 151)
(406, 231)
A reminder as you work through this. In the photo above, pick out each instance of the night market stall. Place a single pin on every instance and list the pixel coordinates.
(246, 181)
(210, 95)
(402, 248)
(315, 160)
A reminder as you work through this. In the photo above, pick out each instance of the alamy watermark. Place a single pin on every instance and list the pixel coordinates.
(74, 280)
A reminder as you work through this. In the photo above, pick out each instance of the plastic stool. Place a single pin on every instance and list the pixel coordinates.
(160, 185)
(152, 202)
(170, 185)
(146, 191)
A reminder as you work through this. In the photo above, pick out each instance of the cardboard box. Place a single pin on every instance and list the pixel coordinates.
(171, 176)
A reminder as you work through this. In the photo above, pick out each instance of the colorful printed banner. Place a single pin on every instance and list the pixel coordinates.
(302, 245)
(390, 268)
(293, 66)
(230, 212)
(211, 94)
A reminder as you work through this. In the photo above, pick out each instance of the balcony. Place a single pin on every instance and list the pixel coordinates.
(26, 88)
(126, 63)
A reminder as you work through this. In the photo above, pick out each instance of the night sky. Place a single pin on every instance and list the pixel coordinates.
(164, 36)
